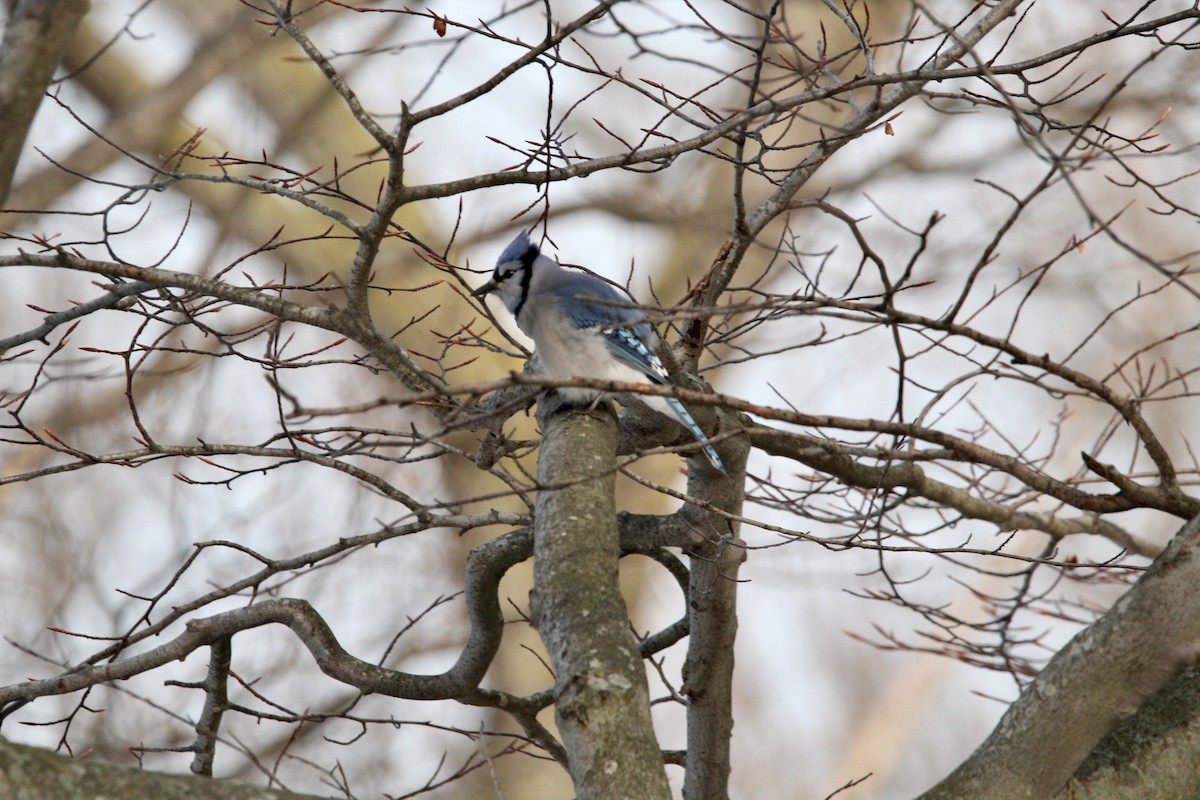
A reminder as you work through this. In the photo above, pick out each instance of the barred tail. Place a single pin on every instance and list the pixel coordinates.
(694, 429)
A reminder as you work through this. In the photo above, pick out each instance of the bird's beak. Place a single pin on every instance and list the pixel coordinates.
(486, 289)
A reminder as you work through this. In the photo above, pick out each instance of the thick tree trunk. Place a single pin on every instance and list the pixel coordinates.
(1103, 676)
(30, 773)
(1152, 754)
(603, 708)
(34, 41)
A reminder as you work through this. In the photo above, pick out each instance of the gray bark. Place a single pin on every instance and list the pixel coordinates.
(716, 556)
(34, 41)
(603, 702)
(1152, 754)
(30, 773)
(1103, 676)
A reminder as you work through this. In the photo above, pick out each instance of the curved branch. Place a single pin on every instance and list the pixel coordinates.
(486, 566)
(661, 640)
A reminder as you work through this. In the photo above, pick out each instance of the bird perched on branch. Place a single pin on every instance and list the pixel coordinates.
(583, 327)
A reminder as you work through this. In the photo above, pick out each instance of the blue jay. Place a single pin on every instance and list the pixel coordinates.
(582, 327)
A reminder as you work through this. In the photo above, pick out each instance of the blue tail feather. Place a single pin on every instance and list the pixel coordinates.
(694, 429)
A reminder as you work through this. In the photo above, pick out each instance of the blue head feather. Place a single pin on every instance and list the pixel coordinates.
(520, 249)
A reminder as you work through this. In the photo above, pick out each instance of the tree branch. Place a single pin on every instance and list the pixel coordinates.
(715, 556)
(1101, 677)
(827, 456)
(485, 567)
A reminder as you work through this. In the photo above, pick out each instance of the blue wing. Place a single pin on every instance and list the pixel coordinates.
(631, 346)
(592, 303)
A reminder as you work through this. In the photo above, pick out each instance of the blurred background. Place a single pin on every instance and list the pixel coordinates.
(831, 684)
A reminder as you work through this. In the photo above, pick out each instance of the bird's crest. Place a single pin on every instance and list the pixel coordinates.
(520, 249)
